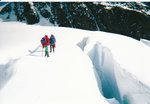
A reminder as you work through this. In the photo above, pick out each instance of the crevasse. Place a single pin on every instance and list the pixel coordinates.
(114, 82)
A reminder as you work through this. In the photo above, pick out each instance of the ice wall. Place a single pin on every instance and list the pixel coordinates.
(116, 84)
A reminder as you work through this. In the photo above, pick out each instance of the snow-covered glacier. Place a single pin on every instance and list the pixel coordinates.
(87, 67)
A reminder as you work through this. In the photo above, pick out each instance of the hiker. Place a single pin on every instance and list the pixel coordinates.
(52, 43)
(45, 44)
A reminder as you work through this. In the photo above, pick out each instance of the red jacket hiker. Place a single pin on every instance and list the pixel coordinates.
(47, 39)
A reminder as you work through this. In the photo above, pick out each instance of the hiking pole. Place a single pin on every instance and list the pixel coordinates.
(42, 50)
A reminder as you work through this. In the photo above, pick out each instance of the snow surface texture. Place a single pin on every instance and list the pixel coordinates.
(87, 67)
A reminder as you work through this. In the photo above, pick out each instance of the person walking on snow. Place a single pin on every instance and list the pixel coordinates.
(52, 43)
(45, 43)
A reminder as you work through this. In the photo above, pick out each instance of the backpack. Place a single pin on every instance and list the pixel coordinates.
(52, 40)
(43, 40)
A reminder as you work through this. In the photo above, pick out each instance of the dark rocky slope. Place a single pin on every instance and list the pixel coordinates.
(133, 21)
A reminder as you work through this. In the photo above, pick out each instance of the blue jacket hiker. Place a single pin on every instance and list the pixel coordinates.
(52, 43)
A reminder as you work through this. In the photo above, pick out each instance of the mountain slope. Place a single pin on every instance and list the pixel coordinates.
(127, 18)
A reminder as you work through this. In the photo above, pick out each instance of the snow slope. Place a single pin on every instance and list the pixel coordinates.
(87, 67)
